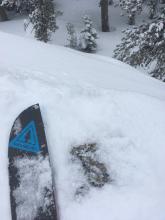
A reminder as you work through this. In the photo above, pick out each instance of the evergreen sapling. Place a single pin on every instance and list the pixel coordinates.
(72, 37)
(88, 36)
(43, 19)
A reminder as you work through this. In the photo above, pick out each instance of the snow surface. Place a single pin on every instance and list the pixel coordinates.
(35, 183)
(88, 98)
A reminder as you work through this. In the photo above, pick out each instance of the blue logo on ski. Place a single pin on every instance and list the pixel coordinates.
(27, 139)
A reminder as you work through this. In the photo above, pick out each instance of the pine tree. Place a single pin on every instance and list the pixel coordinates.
(19, 6)
(144, 46)
(153, 7)
(87, 41)
(43, 19)
(72, 37)
(131, 7)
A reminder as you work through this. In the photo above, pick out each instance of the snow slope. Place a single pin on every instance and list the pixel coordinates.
(88, 98)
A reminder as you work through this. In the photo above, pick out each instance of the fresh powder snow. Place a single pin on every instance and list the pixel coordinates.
(88, 98)
(35, 186)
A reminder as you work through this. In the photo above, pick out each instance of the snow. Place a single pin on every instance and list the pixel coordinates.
(35, 184)
(88, 98)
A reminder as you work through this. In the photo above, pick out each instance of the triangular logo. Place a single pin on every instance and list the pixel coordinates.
(27, 139)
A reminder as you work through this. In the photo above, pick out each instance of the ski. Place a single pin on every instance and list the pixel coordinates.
(32, 193)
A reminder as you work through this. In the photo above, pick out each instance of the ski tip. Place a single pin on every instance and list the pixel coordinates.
(26, 120)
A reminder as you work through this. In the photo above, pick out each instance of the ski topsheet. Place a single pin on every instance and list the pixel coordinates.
(30, 175)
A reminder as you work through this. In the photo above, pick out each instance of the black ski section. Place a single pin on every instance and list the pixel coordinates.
(28, 142)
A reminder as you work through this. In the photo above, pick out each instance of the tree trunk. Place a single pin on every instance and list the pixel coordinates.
(104, 15)
(3, 15)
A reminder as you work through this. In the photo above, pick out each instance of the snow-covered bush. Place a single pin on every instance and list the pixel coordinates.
(72, 37)
(144, 45)
(131, 7)
(88, 36)
(43, 19)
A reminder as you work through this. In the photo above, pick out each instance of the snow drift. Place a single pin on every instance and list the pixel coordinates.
(88, 98)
